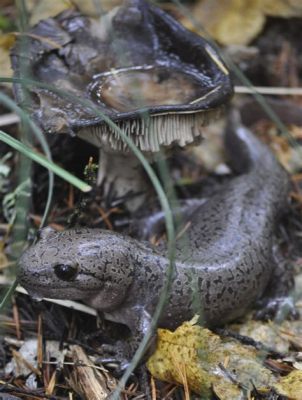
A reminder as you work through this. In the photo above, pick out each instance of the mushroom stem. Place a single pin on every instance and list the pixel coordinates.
(124, 174)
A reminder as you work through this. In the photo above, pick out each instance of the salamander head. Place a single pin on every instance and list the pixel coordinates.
(77, 264)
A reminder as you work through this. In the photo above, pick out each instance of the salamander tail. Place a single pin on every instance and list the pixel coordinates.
(245, 150)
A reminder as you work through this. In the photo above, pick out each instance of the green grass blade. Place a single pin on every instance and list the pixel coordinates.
(164, 202)
(26, 123)
(8, 295)
(149, 170)
(42, 160)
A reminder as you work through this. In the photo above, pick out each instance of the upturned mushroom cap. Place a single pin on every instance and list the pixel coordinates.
(159, 82)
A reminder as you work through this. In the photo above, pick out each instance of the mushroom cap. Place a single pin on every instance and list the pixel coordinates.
(159, 82)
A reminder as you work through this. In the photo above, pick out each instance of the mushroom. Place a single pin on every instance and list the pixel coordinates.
(159, 82)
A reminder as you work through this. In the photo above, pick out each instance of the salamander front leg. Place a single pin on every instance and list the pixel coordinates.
(278, 302)
(122, 352)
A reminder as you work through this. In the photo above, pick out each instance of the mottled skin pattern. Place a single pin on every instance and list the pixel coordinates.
(224, 263)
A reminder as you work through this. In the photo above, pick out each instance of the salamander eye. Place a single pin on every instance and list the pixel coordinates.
(66, 272)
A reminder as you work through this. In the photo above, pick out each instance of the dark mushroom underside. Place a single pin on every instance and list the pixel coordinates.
(136, 62)
(158, 81)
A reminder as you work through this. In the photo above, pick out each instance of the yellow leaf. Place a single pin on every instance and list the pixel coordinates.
(6, 42)
(283, 8)
(291, 385)
(43, 9)
(96, 7)
(240, 21)
(231, 21)
(197, 357)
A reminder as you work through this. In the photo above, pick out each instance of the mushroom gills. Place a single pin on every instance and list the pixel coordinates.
(151, 132)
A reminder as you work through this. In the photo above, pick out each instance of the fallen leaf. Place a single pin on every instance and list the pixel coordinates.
(291, 385)
(6, 42)
(231, 21)
(43, 9)
(240, 21)
(282, 8)
(93, 8)
(198, 357)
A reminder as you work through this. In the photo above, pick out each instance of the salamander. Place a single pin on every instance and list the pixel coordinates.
(224, 261)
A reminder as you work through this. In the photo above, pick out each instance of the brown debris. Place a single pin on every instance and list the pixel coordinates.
(20, 360)
(86, 379)
(285, 67)
(51, 384)
(40, 343)
(16, 319)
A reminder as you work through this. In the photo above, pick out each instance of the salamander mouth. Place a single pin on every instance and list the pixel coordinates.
(41, 291)
(64, 292)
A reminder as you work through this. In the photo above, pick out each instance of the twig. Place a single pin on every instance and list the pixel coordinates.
(9, 119)
(19, 359)
(265, 90)
(105, 218)
(16, 319)
(153, 388)
(89, 383)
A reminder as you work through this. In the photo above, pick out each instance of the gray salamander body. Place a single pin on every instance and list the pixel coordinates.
(224, 268)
